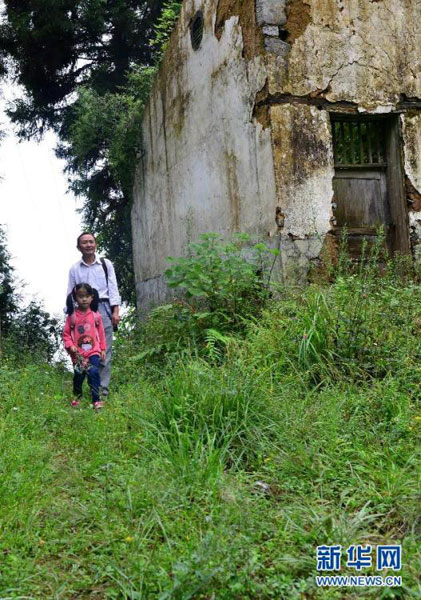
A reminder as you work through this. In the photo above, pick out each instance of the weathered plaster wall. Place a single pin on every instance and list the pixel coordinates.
(303, 155)
(364, 52)
(237, 134)
(353, 56)
(411, 127)
(207, 163)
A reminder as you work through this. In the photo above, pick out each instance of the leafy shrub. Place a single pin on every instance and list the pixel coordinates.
(223, 285)
(230, 281)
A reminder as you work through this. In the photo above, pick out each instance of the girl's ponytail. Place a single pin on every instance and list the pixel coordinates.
(70, 306)
(95, 301)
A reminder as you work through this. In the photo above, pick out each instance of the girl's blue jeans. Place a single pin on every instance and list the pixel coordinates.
(92, 372)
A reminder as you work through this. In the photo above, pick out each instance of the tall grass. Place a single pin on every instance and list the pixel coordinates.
(217, 477)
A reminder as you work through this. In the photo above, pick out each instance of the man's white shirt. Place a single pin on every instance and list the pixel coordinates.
(94, 275)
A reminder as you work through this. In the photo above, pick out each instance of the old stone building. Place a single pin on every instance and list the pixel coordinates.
(284, 119)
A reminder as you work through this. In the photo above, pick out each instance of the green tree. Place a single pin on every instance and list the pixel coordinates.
(34, 331)
(101, 152)
(28, 329)
(86, 67)
(9, 300)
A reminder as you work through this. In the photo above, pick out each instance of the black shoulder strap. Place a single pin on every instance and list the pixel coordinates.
(104, 266)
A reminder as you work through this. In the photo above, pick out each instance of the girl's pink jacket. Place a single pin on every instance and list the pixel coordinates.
(85, 330)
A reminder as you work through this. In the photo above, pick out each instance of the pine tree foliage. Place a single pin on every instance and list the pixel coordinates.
(56, 46)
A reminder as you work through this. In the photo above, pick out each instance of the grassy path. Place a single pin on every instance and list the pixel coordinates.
(206, 482)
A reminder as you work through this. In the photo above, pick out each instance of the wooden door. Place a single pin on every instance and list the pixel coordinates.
(361, 190)
(361, 206)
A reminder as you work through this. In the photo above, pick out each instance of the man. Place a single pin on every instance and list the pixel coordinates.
(100, 275)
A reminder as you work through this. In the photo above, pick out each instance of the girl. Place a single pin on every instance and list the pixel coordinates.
(84, 340)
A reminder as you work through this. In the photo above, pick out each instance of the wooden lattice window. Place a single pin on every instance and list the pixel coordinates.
(359, 143)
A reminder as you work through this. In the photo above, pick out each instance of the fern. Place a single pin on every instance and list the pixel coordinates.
(215, 342)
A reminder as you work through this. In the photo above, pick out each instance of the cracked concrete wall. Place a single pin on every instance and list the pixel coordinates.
(364, 52)
(207, 163)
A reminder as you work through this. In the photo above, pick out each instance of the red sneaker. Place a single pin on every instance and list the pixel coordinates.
(74, 402)
(98, 405)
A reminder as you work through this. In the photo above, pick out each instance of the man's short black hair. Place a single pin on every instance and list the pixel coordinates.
(81, 235)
